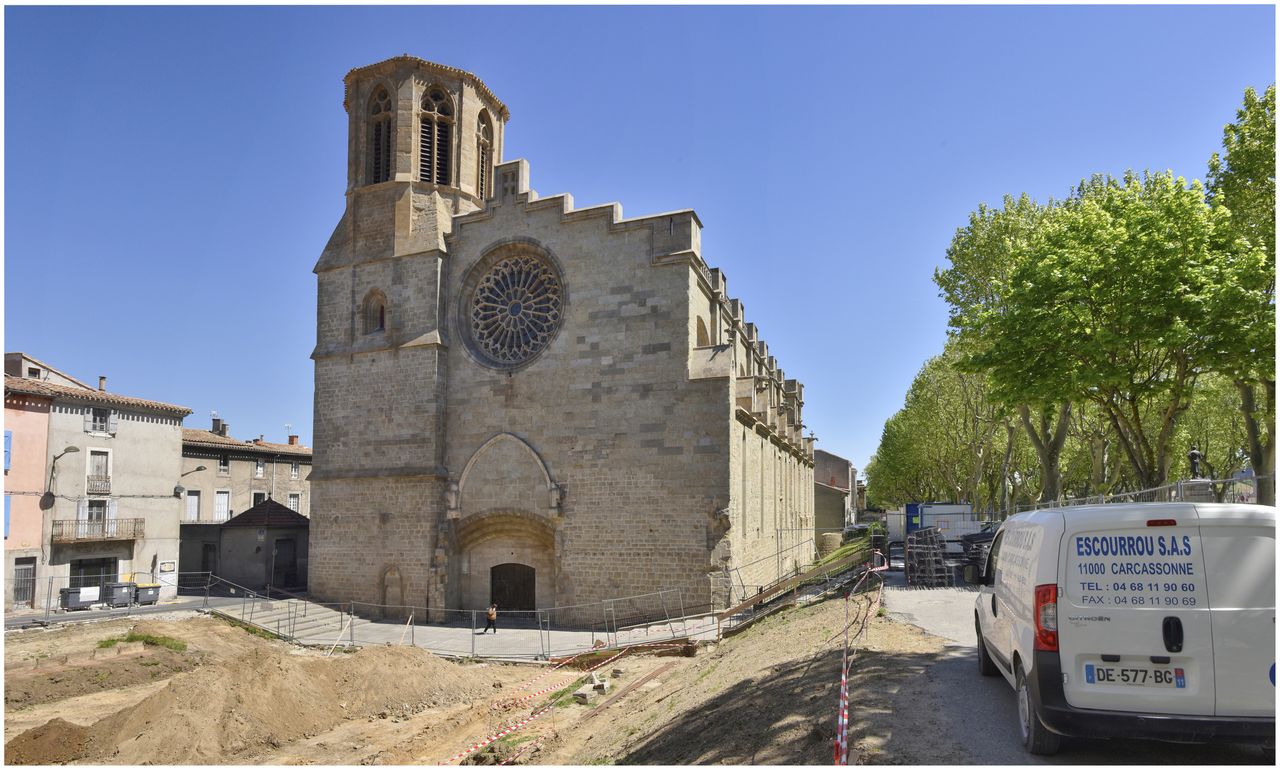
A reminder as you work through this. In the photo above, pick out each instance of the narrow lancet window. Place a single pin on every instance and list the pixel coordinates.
(381, 121)
(484, 155)
(435, 132)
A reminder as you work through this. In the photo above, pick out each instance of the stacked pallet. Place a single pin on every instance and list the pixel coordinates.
(925, 566)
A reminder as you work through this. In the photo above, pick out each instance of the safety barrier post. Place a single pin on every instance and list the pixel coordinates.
(473, 633)
(48, 602)
(353, 624)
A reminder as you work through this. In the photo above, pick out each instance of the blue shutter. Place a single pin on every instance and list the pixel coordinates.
(88, 419)
(6, 497)
(113, 421)
(8, 445)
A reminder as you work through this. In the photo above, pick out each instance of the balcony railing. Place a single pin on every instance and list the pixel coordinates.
(98, 485)
(109, 529)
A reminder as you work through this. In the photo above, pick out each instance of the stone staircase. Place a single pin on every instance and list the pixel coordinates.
(298, 620)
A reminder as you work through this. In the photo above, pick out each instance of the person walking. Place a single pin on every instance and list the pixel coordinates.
(491, 619)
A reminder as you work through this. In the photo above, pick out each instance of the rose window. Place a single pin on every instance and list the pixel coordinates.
(516, 310)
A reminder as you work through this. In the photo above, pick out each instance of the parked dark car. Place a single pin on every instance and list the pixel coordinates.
(977, 545)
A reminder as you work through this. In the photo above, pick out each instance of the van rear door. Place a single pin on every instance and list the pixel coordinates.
(1134, 631)
(1240, 553)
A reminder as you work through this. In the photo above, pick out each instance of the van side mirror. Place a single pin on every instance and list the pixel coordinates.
(973, 575)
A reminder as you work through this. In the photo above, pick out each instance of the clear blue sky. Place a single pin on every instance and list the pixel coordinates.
(172, 174)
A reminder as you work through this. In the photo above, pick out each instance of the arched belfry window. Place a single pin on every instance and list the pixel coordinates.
(435, 132)
(374, 312)
(484, 155)
(381, 121)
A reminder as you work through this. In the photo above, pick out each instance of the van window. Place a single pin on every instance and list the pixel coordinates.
(994, 556)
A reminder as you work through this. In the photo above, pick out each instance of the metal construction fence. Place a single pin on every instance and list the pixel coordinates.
(518, 634)
(669, 615)
(95, 594)
(1234, 490)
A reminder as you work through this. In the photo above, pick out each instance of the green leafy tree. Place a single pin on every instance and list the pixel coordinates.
(946, 443)
(1242, 180)
(1105, 305)
(984, 255)
(1215, 425)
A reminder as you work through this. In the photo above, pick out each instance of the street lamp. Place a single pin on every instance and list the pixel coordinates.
(178, 490)
(46, 500)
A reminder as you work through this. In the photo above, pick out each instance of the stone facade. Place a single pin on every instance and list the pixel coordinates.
(522, 401)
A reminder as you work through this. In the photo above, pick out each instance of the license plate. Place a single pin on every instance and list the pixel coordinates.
(1135, 676)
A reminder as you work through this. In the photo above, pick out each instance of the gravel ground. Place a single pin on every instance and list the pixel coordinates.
(971, 719)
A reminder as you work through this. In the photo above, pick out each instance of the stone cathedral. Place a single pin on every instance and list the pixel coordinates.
(521, 401)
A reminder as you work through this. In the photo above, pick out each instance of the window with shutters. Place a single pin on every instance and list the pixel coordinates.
(224, 465)
(484, 155)
(295, 501)
(98, 480)
(259, 497)
(374, 312)
(295, 470)
(259, 469)
(381, 128)
(221, 505)
(96, 510)
(99, 420)
(435, 129)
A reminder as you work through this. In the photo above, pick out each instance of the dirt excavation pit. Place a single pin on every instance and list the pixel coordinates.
(764, 696)
(248, 697)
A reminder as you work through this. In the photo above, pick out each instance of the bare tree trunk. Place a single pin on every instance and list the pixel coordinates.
(1048, 442)
(1005, 481)
(1262, 452)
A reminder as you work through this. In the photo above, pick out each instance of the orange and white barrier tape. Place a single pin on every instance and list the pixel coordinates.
(473, 748)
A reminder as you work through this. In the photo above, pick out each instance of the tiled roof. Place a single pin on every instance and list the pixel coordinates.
(268, 513)
(208, 438)
(39, 388)
(48, 368)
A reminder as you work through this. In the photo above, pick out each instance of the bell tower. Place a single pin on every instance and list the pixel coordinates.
(422, 142)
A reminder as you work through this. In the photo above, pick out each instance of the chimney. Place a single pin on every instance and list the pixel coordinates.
(223, 427)
(217, 426)
(102, 383)
(258, 440)
(293, 440)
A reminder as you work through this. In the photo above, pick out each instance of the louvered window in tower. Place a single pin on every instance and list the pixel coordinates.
(484, 155)
(380, 123)
(434, 140)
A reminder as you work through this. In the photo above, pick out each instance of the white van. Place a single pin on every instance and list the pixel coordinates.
(1146, 620)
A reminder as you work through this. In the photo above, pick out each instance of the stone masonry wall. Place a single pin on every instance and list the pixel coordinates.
(638, 447)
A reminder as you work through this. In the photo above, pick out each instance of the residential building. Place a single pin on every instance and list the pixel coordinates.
(26, 435)
(110, 463)
(223, 476)
(833, 480)
(523, 402)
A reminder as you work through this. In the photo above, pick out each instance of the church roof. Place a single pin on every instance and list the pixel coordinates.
(268, 513)
(404, 57)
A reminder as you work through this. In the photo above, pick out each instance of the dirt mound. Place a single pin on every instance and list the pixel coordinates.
(263, 699)
(53, 743)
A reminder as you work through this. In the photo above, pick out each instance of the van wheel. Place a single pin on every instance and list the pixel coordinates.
(1036, 738)
(986, 666)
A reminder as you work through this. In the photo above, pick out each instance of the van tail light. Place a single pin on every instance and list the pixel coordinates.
(1046, 610)
(1162, 522)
